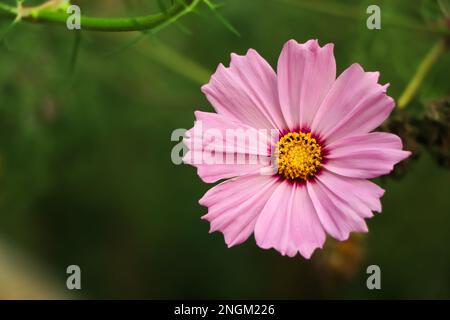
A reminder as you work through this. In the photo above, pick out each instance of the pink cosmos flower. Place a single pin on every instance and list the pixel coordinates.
(325, 151)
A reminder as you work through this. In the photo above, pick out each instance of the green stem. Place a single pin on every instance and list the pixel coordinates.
(428, 61)
(140, 23)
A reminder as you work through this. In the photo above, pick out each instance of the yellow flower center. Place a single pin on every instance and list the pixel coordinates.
(299, 156)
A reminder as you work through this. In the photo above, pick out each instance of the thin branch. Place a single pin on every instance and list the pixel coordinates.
(428, 61)
(140, 23)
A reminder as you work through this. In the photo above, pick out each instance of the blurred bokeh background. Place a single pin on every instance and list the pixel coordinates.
(86, 176)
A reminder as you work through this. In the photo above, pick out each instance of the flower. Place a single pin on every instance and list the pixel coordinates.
(324, 149)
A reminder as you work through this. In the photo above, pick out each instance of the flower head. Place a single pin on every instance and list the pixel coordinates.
(307, 175)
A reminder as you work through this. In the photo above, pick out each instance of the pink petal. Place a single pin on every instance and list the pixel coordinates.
(338, 217)
(306, 73)
(355, 104)
(246, 91)
(362, 195)
(365, 156)
(214, 172)
(234, 205)
(289, 223)
(254, 152)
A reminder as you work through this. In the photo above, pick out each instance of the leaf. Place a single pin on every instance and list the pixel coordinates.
(8, 28)
(127, 45)
(75, 52)
(183, 28)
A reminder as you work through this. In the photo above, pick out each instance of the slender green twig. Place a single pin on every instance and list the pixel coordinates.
(428, 61)
(75, 52)
(140, 23)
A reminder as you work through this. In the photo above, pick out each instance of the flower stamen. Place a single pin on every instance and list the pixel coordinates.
(299, 156)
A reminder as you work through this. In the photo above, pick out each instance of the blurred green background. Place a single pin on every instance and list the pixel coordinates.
(86, 176)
